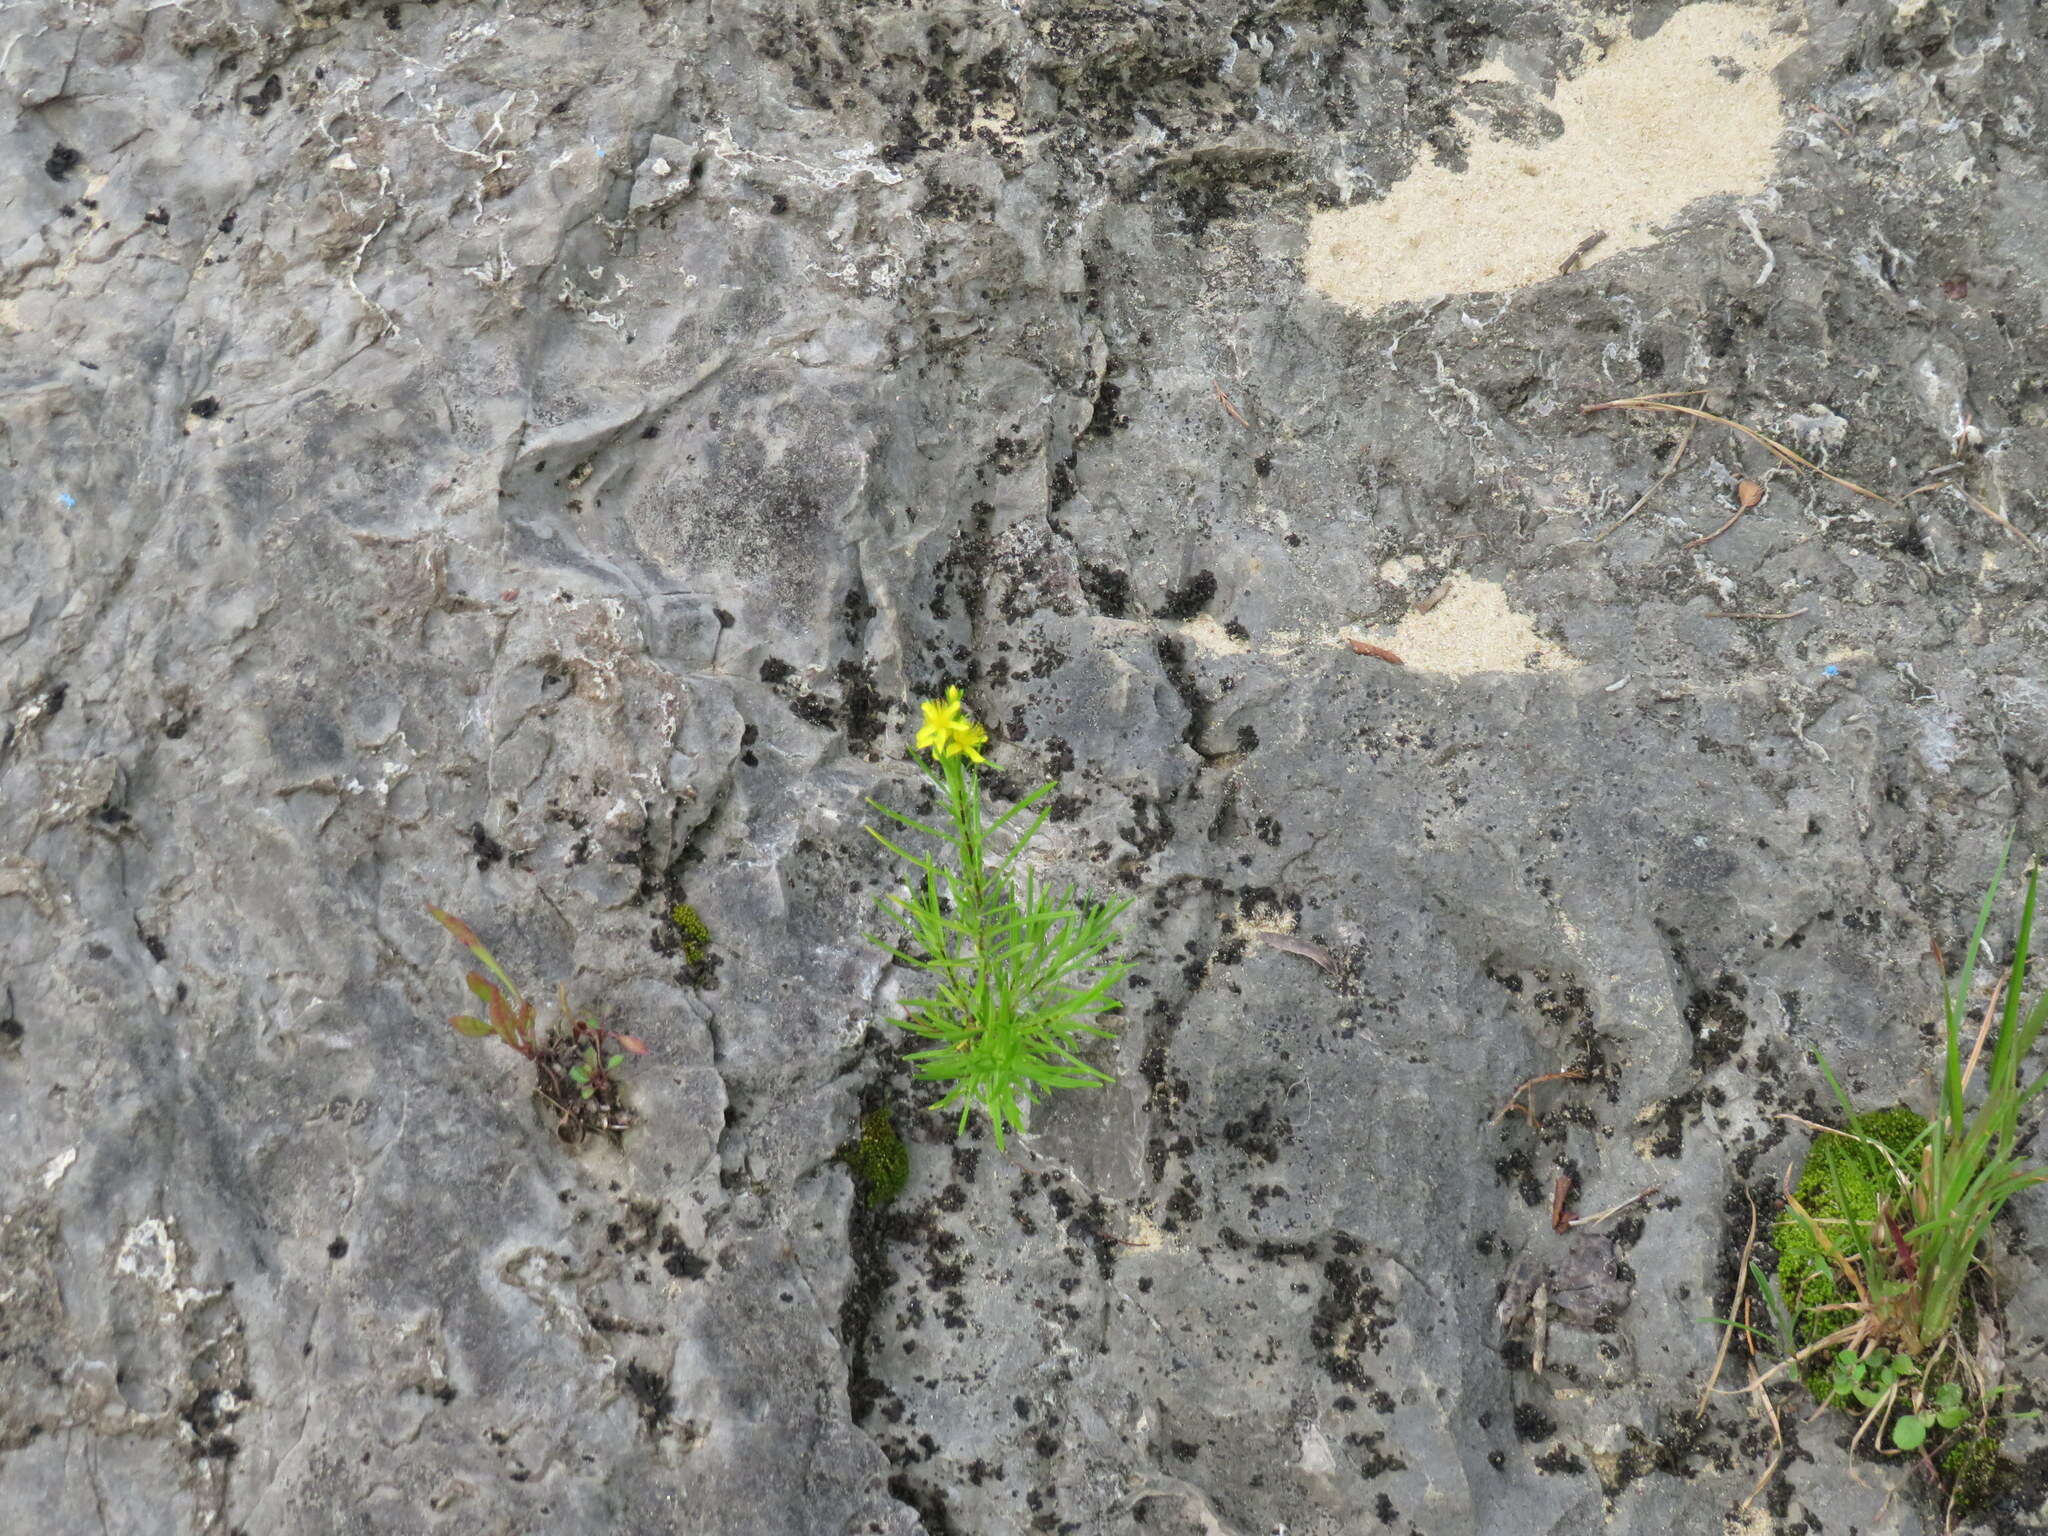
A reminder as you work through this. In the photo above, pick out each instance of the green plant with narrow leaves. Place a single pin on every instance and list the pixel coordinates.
(1972, 1163)
(1017, 971)
(1882, 1238)
(1906, 1265)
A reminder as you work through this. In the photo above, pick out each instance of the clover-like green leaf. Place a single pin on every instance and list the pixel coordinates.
(1909, 1432)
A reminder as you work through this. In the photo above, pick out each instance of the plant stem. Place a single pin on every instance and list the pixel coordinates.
(965, 790)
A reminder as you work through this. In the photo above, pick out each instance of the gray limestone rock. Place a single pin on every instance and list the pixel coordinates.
(529, 458)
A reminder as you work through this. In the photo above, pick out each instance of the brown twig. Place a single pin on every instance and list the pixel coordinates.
(1231, 408)
(1360, 648)
(1828, 1130)
(1998, 517)
(1846, 1266)
(1851, 1333)
(1734, 1306)
(1615, 1210)
(1580, 252)
(1748, 497)
(1977, 503)
(1796, 613)
(1708, 538)
(1560, 1203)
(1777, 1438)
(1670, 468)
(1878, 1410)
(1514, 1099)
(1984, 1029)
(1665, 403)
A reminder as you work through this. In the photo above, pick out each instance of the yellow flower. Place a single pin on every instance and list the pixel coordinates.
(947, 732)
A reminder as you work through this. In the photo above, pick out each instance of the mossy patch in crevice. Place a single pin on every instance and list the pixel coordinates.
(880, 1165)
(1843, 1181)
(687, 935)
(696, 938)
(877, 1159)
(1972, 1470)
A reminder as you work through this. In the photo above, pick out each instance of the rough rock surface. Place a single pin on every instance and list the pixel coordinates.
(526, 457)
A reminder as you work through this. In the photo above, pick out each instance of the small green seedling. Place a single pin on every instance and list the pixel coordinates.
(572, 1063)
(588, 1075)
(1874, 1384)
(1946, 1411)
(1869, 1379)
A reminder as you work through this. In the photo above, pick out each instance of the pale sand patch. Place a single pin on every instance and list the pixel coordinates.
(1211, 638)
(1471, 630)
(1653, 126)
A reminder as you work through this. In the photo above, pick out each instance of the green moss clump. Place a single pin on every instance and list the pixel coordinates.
(877, 1159)
(1970, 1468)
(1842, 1181)
(690, 928)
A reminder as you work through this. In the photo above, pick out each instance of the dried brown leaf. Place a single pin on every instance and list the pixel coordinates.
(1287, 943)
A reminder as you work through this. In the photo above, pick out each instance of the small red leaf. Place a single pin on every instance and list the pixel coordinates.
(1560, 1204)
(632, 1043)
(464, 934)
